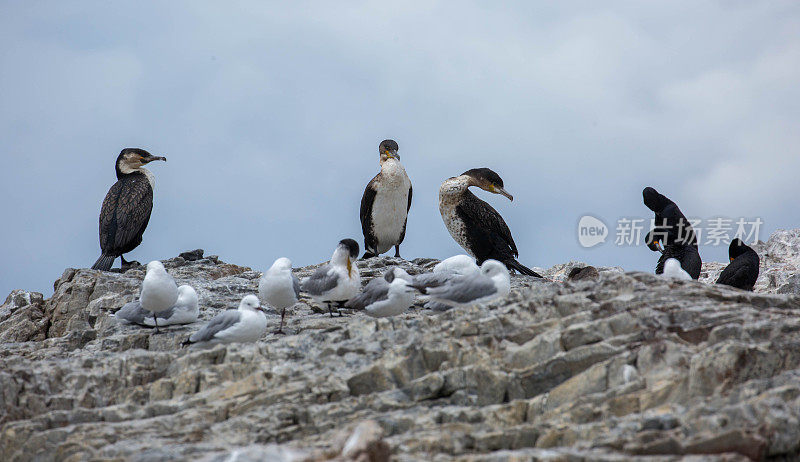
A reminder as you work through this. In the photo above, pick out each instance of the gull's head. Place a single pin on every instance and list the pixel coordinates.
(282, 264)
(487, 180)
(388, 150)
(155, 267)
(251, 302)
(187, 296)
(493, 268)
(394, 273)
(131, 159)
(737, 248)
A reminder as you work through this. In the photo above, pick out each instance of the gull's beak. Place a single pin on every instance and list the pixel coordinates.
(499, 190)
(147, 160)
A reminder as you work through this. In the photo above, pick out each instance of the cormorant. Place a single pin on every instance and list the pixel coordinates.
(742, 271)
(279, 288)
(126, 208)
(339, 280)
(673, 270)
(385, 204)
(245, 324)
(474, 224)
(687, 256)
(671, 226)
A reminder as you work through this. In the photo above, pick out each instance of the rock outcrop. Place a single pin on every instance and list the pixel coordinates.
(610, 367)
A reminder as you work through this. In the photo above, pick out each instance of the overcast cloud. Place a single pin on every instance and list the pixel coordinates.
(270, 116)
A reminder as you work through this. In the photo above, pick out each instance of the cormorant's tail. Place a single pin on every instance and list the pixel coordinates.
(368, 254)
(520, 268)
(104, 262)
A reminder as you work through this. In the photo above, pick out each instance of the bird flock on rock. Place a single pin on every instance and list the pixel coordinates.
(480, 277)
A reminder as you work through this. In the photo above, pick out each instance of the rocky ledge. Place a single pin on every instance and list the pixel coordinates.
(627, 365)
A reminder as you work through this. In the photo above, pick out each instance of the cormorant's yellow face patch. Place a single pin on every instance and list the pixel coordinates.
(731, 260)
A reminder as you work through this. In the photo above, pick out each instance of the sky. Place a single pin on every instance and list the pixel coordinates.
(270, 115)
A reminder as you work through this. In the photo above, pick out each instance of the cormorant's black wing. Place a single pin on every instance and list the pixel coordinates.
(125, 214)
(410, 193)
(366, 214)
(486, 230)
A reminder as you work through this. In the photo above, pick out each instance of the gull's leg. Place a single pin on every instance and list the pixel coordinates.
(155, 320)
(280, 328)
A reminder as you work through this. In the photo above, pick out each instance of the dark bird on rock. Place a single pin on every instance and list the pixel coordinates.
(742, 271)
(671, 226)
(126, 208)
(687, 255)
(385, 204)
(474, 224)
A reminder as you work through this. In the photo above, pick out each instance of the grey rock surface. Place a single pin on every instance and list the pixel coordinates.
(627, 365)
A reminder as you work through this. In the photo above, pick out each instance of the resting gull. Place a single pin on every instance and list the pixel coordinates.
(245, 324)
(184, 311)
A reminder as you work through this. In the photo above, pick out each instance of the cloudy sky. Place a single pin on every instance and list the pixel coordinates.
(271, 114)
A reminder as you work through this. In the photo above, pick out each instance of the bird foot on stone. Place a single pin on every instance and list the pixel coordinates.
(279, 332)
(128, 265)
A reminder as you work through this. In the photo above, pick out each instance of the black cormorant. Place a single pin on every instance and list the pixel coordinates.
(742, 272)
(671, 226)
(126, 208)
(687, 255)
(385, 204)
(474, 224)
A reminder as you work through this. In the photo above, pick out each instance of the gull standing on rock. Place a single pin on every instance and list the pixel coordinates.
(246, 324)
(490, 283)
(385, 204)
(184, 311)
(337, 281)
(475, 225)
(126, 208)
(385, 296)
(159, 291)
(279, 288)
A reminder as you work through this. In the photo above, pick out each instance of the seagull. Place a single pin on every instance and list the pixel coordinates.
(673, 270)
(337, 281)
(385, 296)
(279, 288)
(490, 283)
(245, 324)
(445, 270)
(184, 311)
(159, 291)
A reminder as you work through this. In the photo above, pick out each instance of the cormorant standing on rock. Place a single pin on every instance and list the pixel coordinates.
(474, 224)
(385, 204)
(673, 231)
(126, 208)
(742, 272)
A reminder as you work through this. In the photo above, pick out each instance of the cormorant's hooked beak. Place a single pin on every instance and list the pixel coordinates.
(659, 246)
(147, 160)
(392, 154)
(500, 190)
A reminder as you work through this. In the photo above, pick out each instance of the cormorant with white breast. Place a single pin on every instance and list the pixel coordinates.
(674, 230)
(126, 208)
(474, 224)
(385, 204)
